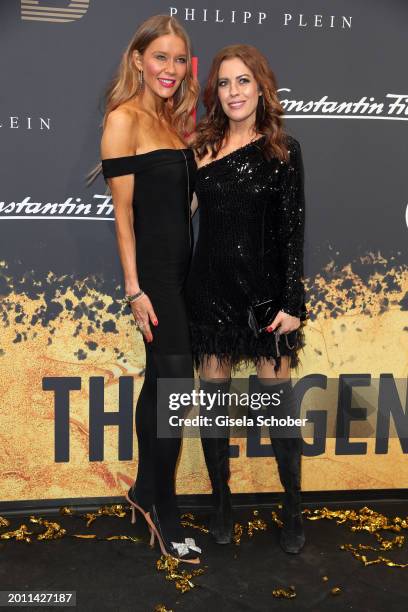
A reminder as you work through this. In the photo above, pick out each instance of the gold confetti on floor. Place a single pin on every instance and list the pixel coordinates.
(182, 578)
(363, 520)
(4, 522)
(54, 530)
(289, 593)
(370, 521)
(115, 510)
(188, 520)
(253, 525)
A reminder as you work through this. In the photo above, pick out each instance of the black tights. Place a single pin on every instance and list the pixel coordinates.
(155, 481)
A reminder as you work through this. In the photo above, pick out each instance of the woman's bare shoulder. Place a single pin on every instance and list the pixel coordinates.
(120, 132)
(124, 116)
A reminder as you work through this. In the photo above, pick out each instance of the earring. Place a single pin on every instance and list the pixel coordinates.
(183, 88)
(141, 78)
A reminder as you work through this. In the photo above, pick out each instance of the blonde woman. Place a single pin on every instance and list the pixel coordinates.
(150, 172)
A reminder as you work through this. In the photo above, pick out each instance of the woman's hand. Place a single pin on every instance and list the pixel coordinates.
(143, 313)
(285, 322)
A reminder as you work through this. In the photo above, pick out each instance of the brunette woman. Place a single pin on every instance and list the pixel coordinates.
(150, 172)
(248, 261)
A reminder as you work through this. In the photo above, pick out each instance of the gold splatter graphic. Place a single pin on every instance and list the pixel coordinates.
(60, 326)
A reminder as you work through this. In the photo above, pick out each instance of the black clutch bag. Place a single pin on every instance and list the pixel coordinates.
(261, 315)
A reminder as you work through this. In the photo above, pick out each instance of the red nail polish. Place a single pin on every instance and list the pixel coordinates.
(155, 323)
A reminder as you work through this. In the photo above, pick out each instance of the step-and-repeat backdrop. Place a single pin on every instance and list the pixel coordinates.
(69, 352)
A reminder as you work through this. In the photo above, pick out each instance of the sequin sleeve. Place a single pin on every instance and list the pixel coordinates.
(291, 231)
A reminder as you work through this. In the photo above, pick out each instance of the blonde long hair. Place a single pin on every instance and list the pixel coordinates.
(126, 84)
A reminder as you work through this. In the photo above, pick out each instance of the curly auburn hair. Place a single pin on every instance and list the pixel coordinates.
(213, 128)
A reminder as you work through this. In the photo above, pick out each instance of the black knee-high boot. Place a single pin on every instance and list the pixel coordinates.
(216, 454)
(287, 446)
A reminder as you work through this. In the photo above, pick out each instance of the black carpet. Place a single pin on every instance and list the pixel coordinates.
(121, 575)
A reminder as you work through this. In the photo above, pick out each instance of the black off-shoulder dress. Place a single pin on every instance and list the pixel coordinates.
(164, 183)
(249, 249)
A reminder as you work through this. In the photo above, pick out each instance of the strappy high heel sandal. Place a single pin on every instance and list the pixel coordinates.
(185, 551)
(134, 506)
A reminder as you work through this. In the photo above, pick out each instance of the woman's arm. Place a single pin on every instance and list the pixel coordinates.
(117, 141)
(292, 224)
(291, 239)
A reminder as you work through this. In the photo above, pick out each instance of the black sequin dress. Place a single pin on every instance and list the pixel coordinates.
(249, 249)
